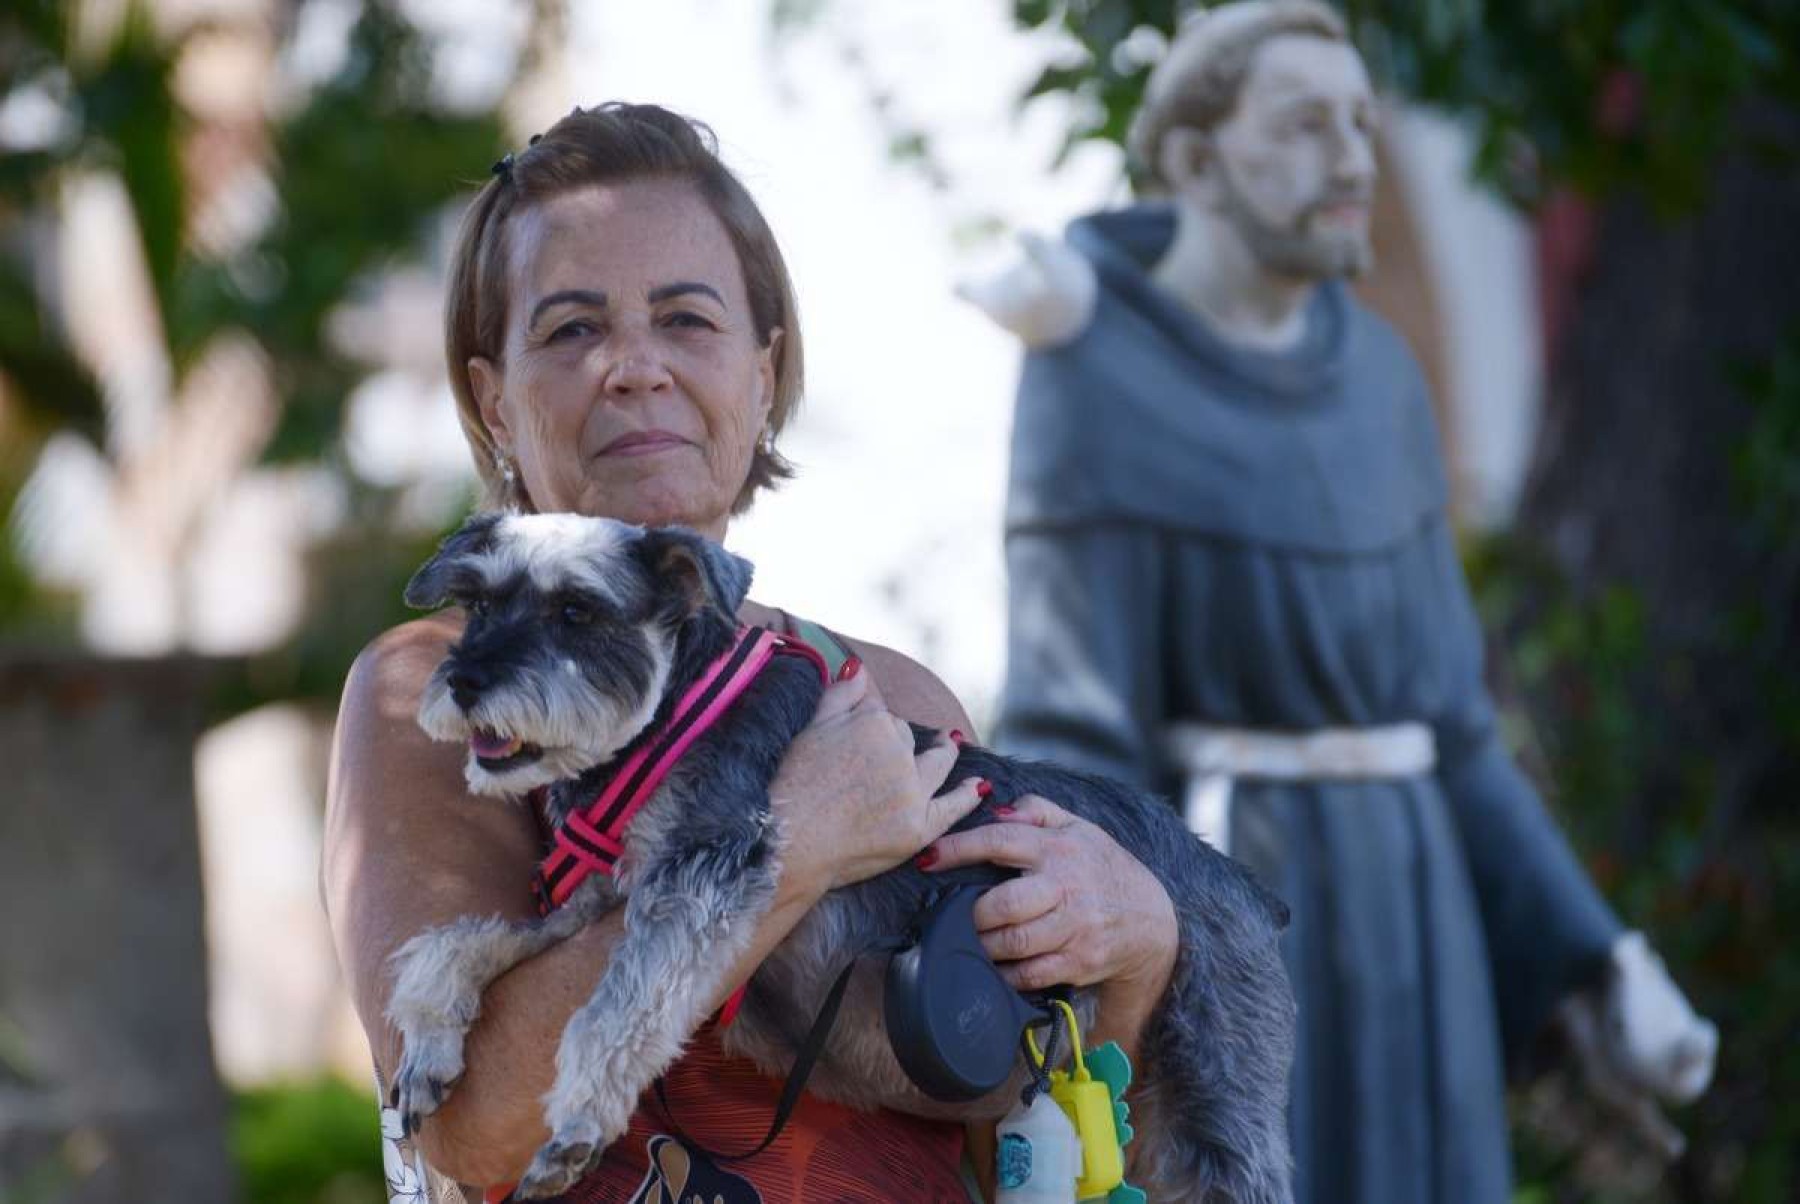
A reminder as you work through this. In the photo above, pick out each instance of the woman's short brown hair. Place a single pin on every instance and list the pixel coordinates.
(611, 144)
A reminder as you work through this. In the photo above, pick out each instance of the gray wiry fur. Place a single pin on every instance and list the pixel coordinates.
(701, 863)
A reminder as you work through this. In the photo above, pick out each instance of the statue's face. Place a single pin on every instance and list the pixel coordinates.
(1293, 167)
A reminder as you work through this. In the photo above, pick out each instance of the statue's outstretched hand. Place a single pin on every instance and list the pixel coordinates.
(1639, 1043)
(1046, 296)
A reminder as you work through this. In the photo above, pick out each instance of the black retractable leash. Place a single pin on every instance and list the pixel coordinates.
(954, 1022)
(952, 1019)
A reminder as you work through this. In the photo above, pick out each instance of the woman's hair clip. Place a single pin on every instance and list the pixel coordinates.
(503, 166)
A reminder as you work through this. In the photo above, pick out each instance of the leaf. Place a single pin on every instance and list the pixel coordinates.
(131, 118)
(1058, 77)
(52, 387)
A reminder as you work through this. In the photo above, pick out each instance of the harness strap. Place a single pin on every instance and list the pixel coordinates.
(591, 840)
(820, 639)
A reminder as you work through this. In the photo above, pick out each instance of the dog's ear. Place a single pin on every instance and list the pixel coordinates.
(430, 586)
(696, 570)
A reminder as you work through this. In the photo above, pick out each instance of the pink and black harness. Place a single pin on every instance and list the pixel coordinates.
(591, 839)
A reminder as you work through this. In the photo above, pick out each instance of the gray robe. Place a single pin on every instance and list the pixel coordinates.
(1200, 531)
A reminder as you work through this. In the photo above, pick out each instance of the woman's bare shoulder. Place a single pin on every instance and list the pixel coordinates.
(407, 847)
(392, 668)
(389, 778)
(910, 690)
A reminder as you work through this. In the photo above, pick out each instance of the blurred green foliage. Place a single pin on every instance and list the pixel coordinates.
(1718, 894)
(365, 168)
(307, 1143)
(1596, 94)
(354, 584)
(362, 169)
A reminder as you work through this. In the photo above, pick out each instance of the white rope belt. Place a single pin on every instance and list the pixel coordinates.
(1212, 757)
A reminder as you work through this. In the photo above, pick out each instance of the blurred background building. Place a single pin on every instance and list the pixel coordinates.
(226, 439)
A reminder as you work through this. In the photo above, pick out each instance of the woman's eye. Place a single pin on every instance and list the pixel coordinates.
(577, 614)
(575, 329)
(689, 319)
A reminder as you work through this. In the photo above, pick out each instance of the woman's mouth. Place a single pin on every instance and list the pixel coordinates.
(494, 752)
(643, 443)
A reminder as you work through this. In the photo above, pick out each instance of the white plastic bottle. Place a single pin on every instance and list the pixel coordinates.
(1039, 1155)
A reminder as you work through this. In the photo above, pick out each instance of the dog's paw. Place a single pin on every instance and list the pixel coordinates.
(432, 1064)
(560, 1164)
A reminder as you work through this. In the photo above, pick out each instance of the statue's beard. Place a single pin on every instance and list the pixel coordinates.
(1304, 248)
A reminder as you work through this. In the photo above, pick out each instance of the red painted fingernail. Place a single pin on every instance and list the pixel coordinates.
(957, 738)
(984, 789)
(928, 858)
(851, 668)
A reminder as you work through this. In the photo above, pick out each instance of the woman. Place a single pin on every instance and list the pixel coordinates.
(622, 341)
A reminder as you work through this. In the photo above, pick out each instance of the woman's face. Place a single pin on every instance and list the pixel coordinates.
(633, 385)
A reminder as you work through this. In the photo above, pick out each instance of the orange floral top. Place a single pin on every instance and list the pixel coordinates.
(826, 1154)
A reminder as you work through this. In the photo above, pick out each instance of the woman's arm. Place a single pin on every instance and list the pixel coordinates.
(407, 848)
(1085, 911)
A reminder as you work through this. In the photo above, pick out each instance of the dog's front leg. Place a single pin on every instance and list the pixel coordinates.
(439, 978)
(685, 924)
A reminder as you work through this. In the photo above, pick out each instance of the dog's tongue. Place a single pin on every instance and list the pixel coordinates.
(492, 745)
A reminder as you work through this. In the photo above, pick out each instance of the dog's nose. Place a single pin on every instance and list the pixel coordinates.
(466, 685)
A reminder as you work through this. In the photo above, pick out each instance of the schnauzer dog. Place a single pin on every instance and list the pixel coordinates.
(580, 634)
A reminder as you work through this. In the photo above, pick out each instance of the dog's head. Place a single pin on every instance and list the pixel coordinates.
(577, 629)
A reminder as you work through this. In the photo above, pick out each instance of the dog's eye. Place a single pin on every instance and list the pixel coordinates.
(477, 606)
(577, 614)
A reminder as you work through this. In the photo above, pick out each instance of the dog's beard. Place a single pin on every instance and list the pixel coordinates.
(553, 707)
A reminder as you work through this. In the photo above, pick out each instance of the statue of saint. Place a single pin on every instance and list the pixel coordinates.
(1233, 576)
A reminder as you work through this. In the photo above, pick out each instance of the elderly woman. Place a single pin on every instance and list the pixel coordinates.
(622, 341)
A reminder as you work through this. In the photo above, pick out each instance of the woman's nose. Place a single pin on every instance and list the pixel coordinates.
(635, 374)
(634, 367)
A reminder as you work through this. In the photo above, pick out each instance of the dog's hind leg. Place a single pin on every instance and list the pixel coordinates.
(686, 922)
(439, 978)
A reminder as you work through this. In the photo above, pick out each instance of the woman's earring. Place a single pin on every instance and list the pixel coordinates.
(509, 476)
(765, 442)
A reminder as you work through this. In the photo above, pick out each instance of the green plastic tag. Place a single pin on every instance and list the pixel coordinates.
(1110, 1065)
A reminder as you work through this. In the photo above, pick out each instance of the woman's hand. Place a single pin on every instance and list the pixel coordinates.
(1082, 911)
(851, 797)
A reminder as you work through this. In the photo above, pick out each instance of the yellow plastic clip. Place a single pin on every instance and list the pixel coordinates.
(1088, 1105)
